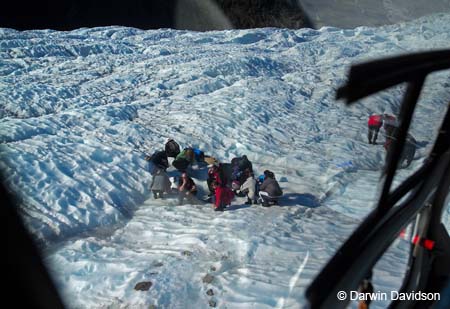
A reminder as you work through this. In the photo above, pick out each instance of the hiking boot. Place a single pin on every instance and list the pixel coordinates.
(249, 202)
(155, 196)
(265, 204)
(218, 208)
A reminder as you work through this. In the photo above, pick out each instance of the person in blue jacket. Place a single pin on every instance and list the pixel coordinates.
(199, 155)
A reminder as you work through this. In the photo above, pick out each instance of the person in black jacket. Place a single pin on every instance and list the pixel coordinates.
(158, 160)
(270, 190)
(245, 164)
(240, 167)
(409, 151)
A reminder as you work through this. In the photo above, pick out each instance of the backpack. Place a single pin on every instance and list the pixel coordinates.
(172, 148)
(181, 164)
(186, 154)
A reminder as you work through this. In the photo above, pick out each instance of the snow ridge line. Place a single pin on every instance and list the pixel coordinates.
(343, 178)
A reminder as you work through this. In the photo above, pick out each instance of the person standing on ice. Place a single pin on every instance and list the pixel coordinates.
(409, 151)
(217, 184)
(217, 173)
(186, 189)
(160, 184)
(374, 123)
(270, 190)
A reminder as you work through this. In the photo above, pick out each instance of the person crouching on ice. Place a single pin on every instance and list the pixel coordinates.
(187, 189)
(249, 188)
(270, 190)
(374, 123)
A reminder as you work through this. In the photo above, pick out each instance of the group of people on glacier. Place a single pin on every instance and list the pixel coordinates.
(224, 180)
(237, 178)
(389, 123)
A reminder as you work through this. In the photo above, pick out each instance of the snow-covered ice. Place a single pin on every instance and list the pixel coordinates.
(81, 109)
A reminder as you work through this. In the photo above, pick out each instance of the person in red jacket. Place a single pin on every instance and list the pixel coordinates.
(217, 173)
(374, 123)
(213, 176)
(223, 196)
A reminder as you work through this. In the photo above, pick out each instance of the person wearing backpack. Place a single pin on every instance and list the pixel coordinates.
(270, 190)
(160, 183)
(184, 159)
(172, 148)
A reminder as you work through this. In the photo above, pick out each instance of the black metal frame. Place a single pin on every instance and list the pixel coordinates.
(424, 191)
